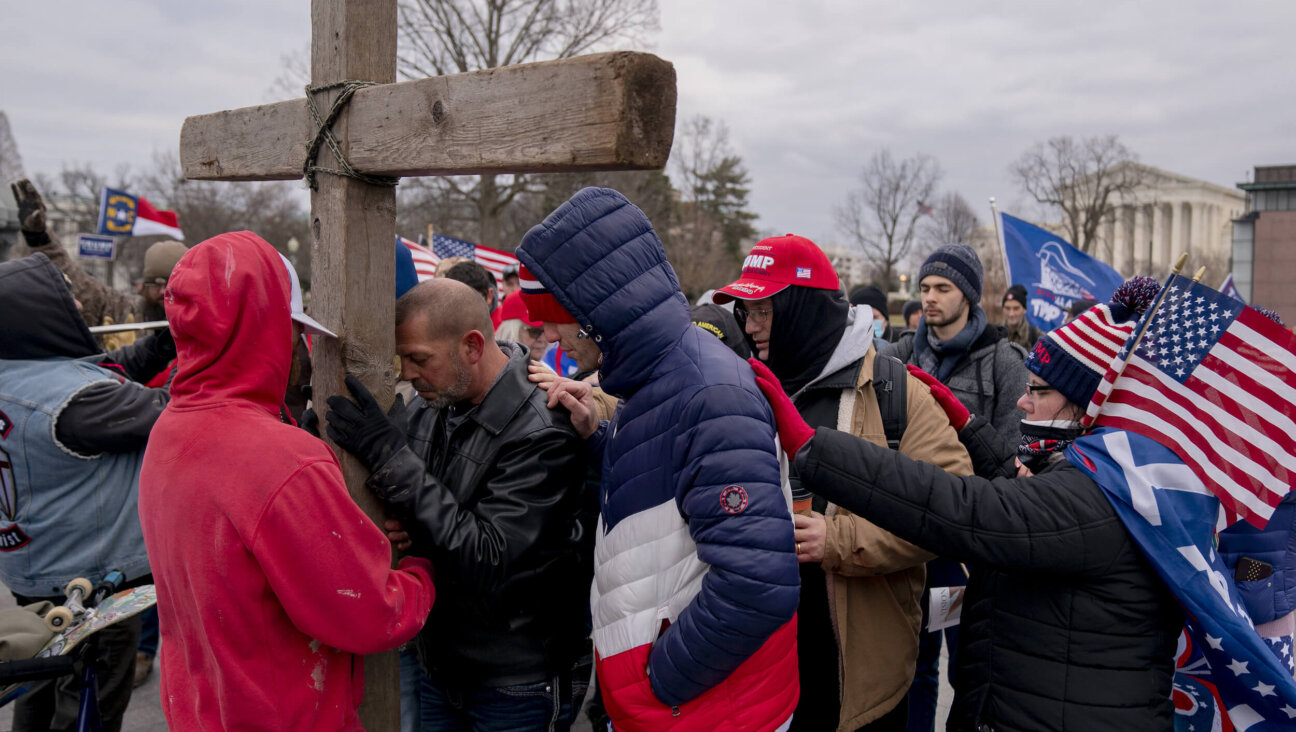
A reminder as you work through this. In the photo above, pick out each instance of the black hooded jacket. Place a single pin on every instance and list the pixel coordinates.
(1066, 626)
(40, 321)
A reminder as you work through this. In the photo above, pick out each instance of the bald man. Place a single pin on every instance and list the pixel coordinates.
(490, 485)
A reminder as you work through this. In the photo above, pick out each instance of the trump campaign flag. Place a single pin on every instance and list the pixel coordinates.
(1232, 680)
(1054, 273)
(1215, 381)
(122, 214)
(426, 259)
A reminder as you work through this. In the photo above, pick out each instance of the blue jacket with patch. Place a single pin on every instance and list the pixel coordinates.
(695, 567)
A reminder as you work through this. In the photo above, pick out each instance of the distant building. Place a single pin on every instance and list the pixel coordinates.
(1264, 240)
(851, 266)
(1168, 215)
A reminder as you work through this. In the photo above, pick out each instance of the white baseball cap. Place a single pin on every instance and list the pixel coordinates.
(298, 311)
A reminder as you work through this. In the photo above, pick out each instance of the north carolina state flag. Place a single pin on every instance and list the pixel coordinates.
(122, 214)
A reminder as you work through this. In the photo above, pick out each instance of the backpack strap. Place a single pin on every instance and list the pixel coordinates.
(890, 383)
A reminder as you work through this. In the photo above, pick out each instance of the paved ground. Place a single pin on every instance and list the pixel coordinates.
(145, 711)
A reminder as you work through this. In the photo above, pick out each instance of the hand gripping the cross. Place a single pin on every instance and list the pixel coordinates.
(361, 427)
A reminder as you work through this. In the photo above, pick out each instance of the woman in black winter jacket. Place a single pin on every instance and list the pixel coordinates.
(1065, 625)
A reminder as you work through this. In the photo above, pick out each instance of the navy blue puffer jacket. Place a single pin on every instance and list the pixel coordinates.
(696, 582)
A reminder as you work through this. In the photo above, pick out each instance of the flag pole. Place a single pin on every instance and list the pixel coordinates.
(1104, 388)
(124, 327)
(1003, 248)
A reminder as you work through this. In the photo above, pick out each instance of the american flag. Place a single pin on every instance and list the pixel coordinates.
(1215, 381)
(425, 258)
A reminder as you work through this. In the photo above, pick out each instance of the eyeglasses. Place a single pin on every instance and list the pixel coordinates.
(1034, 389)
(756, 316)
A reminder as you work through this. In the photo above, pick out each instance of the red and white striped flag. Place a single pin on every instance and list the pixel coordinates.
(425, 258)
(1215, 381)
(425, 262)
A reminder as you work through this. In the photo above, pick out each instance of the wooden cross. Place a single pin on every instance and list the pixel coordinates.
(613, 111)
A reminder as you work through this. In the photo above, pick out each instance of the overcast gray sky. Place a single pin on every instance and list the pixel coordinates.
(809, 89)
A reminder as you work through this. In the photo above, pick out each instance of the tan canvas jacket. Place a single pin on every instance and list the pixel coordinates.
(875, 580)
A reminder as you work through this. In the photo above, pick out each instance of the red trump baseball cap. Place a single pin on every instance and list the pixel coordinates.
(777, 263)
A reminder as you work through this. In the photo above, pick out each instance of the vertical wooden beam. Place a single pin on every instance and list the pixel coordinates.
(353, 226)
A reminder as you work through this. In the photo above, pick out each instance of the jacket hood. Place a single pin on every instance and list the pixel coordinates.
(228, 304)
(599, 257)
(855, 343)
(40, 319)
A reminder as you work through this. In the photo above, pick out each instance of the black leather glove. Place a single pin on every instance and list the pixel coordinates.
(163, 345)
(309, 421)
(31, 213)
(362, 429)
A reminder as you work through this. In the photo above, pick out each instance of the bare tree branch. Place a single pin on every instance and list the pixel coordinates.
(1082, 180)
(881, 217)
(438, 37)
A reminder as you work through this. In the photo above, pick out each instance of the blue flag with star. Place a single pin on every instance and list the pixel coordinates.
(1172, 516)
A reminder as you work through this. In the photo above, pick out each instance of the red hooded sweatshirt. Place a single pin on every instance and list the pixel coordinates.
(270, 580)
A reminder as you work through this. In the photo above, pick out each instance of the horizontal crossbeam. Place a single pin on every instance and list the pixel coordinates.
(598, 112)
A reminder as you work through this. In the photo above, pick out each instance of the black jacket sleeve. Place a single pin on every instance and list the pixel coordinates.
(521, 499)
(992, 455)
(1056, 521)
(110, 417)
(145, 358)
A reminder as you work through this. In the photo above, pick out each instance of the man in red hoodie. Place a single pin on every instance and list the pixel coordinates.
(270, 580)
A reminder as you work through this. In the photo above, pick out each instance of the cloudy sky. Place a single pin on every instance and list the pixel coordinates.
(809, 89)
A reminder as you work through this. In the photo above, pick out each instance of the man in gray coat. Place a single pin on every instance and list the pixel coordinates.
(956, 344)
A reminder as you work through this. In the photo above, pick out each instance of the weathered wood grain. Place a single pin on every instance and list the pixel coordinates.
(353, 227)
(611, 111)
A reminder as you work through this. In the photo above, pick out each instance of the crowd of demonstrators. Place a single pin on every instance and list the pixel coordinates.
(859, 616)
(74, 423)
(973, 358)
(955, 343)
(477, 277)
(911, 313)
(591, 471)
(489, 484)
(695, 573)
(100, 303)
(1065, 624)
(1019, 328)
(270, 580)
(873, 298)
(516, 325)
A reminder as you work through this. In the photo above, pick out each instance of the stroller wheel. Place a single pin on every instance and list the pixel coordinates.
(58, 618)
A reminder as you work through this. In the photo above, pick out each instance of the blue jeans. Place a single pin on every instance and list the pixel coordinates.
(413, 685)
(148, 642)
(925, 688)
(544, 706)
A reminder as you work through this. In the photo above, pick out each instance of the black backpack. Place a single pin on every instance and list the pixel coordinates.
(890, 383)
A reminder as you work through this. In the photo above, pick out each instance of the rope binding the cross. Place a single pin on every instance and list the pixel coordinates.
(324, 135)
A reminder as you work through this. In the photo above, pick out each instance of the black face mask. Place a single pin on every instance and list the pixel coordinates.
(808, 324)
(1041, 440)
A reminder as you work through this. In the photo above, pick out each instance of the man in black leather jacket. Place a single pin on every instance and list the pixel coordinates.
(490, 485)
